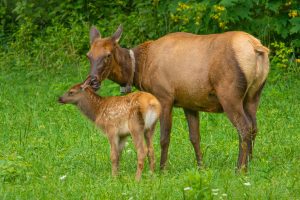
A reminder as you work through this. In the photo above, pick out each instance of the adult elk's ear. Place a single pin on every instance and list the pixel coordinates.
(117, 35)
(94, 34)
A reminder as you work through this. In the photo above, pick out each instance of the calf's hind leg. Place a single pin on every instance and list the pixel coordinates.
(137, 133)
(121, 145)
(149, 141)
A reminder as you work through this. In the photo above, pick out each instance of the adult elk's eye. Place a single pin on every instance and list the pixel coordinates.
(71, 93)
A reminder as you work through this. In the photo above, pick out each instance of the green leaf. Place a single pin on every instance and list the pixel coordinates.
(295, 22)
(274, 6)
(228, 3)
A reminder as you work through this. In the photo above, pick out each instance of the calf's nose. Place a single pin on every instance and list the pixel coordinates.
(60, 100)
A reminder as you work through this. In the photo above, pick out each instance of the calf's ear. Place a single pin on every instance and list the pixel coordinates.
(94, 34)
(117, 35)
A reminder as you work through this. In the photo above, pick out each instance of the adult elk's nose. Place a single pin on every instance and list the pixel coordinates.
(95, 82)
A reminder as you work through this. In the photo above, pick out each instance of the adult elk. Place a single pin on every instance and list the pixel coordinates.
(212, 73)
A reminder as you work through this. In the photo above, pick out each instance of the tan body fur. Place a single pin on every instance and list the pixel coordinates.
(211, 73)
(135, 114)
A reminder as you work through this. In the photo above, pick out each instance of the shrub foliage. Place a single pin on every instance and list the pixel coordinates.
(28, 21)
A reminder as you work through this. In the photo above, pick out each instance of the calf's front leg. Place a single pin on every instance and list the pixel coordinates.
(138, 141)
(114, 153)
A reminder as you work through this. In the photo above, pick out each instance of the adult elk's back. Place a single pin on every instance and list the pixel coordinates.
(211, 73)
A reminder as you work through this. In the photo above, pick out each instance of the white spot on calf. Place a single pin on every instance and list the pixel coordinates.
(150, 118)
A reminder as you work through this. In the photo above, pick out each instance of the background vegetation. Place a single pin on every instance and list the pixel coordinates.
(50, 151)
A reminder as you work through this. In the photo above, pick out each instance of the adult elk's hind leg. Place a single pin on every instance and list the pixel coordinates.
(232, 104)
(165, 131)
(250, 107)
(193, 123)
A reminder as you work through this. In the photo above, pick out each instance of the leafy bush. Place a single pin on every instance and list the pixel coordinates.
(281, 55)
(34, 25)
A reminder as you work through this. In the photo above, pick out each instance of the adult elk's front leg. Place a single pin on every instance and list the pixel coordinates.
(165, 130)
(193, 123)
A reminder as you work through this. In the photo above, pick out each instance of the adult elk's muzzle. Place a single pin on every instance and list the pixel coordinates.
(94, 82)
(99, 71)
(94, 77)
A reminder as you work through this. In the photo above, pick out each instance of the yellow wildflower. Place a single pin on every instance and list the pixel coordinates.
(183, 6)
(293, 13)
(221, 24)
(219, 8)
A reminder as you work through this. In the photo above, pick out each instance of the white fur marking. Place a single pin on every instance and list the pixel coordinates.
(131, 53)
(150, 118)
(132, 59)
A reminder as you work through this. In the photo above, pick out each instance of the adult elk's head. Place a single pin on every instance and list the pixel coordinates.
(101, 55)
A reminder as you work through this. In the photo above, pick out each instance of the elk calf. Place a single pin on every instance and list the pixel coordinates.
(119, 116)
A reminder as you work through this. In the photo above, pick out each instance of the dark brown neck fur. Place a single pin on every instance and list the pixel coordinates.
(140, 54)
(122, 65)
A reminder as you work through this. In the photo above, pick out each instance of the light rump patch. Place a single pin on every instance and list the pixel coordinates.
(245, 55)
(150, 118)
(251, 56)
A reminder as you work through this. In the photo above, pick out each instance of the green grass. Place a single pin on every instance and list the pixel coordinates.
(41, 141)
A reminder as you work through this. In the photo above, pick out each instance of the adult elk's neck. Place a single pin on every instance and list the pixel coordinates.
(140, 74)
(89, 105)
(122, 65)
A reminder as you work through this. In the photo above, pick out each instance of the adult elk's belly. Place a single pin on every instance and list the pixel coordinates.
(197, 98)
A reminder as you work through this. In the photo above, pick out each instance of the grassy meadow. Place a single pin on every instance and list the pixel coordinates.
(51, 151)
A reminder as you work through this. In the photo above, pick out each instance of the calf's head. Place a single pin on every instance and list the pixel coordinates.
(74, 94)
(101, 55)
